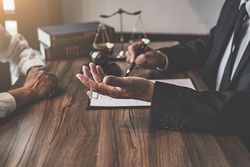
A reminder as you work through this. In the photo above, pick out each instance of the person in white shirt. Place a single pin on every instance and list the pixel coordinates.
(23, 61)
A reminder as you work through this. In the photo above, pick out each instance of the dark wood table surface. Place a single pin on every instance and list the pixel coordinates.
(61, 132)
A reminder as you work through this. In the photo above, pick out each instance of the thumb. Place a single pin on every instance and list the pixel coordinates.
(116, 81)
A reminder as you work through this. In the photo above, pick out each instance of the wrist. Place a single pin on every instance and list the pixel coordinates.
(23, 95)
(163, 61)
(149, 93)
(31, 93)
(33, 68)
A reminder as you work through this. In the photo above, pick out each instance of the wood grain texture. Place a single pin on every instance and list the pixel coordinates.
(61, 132)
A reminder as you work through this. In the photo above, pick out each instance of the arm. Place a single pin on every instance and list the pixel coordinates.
(37, 86)
(178, 108)
(15, 49)
(172, 59)
(190, 54)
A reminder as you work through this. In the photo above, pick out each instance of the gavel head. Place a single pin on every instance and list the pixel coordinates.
(109, 67)
(98, 57)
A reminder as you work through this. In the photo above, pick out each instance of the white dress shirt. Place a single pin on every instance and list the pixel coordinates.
(15, 50)
(243, 45)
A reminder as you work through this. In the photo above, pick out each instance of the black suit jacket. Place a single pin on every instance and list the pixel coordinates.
(227, 112)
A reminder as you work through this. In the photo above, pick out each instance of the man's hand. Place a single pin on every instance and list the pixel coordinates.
(116, 87)
(38, 84)
(150, 59)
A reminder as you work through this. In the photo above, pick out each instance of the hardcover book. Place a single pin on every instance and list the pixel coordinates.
(64, 52)
(53, 36)
(68, 41)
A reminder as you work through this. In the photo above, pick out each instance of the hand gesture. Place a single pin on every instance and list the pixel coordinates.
(116, 87)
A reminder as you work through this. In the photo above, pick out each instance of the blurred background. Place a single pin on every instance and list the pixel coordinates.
(163, 20)
(166, 17)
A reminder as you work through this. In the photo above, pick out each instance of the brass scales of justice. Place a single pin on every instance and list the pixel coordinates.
(105, 43)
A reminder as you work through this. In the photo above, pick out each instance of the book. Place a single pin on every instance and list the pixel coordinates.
(68, 41)
(101, 101)
(62, 52)
(53, 36)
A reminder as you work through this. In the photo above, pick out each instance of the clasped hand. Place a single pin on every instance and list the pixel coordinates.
(40, 81)
(38, 85)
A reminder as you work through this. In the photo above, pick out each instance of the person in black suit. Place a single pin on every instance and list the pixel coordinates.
(224, 55)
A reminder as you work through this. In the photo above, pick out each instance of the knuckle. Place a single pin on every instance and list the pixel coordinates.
(130, 47)
(127, 54)
(42, 72)
(147, 56)
(143, 57)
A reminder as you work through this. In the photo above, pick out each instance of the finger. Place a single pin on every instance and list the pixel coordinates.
(49, 88)
(100, 71)
(128, 56)
(86, 72)
(99, 88)
(141, 59)
(83, 79)
(87, 82)
(40, 73)
(43, 68)
(96, 76)
(132, 50)
(40, 69)
(51, 77)
(51, 83)
(92, 68)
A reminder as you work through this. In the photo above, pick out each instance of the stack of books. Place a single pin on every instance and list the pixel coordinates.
(69, 41)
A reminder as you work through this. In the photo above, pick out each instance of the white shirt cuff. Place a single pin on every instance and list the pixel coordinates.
(33, 60)
(166, 64)
(7, 104)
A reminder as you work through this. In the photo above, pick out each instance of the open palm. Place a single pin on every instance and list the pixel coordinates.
(116, 87)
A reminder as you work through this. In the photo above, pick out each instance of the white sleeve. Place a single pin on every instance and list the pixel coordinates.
(7, 104)
(15, 49)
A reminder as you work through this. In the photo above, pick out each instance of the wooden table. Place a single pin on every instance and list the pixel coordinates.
(61, 132)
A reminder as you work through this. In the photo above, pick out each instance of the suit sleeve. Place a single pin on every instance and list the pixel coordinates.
(184, 109)
(189, 55)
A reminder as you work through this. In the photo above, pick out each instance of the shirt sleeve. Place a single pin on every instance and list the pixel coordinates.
(7, 104)
(166, 64)
(16, 50)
